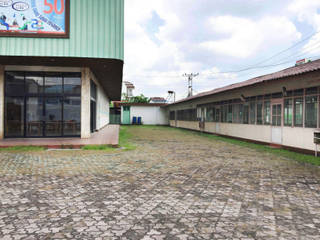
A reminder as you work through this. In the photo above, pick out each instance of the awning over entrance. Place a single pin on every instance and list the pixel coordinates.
(108, 71)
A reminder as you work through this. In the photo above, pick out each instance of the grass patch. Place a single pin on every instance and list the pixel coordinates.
(98, 148)
(124, 142)
(23, 149)
(125, 138)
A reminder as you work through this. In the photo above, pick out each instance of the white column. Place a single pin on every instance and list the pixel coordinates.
(85, 103)
(1, 102)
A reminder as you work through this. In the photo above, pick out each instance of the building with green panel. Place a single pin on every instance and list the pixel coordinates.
(61, 63)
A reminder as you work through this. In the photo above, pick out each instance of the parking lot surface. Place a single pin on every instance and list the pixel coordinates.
(174, 185)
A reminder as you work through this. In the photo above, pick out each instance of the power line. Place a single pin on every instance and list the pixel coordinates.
(293, 46)
(312, 47)
(275, 55)
(252, 67)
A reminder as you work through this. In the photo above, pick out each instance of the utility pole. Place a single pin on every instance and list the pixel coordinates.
(190, 79)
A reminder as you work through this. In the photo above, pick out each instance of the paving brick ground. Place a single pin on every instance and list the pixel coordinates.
(175, 185)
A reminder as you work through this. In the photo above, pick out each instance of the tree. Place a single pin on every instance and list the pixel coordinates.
(139, 99)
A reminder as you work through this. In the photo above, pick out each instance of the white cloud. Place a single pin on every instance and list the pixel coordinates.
(306, 11)
(246, 37)
(197, 37)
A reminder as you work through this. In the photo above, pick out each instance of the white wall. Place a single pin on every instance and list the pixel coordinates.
(151, 115)
(296, 137)
(103, 105)
(103, 108)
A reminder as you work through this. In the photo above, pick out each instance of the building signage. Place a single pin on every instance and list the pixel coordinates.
(34, 18)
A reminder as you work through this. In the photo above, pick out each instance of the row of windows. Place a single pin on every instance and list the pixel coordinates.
(187, 115)
(253, 113)
(294, 110)
(33, 83)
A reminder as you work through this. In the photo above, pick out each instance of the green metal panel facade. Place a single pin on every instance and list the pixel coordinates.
(96, 31)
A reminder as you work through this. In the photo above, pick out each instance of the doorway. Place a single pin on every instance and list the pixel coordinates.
(126, 115)
(276, 128)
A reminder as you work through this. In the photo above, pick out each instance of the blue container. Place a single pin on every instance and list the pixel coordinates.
(139, 121)
(134, 120)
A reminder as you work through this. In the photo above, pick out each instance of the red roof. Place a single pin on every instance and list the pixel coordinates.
(292, 71)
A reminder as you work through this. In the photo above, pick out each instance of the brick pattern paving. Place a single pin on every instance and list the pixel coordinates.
(173, 186)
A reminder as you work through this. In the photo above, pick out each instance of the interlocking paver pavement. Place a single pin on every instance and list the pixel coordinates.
(175, 185)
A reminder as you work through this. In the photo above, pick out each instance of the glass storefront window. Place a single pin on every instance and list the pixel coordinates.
(14, 120)
(15, 84)
(34, 117)
(37, 106)
(72, 116)
(34, 84)
(72, 84)
(53, 85)
(53, 116)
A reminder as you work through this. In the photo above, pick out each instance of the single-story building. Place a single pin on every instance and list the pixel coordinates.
(150, 113)
(281, 108)
(61, 63)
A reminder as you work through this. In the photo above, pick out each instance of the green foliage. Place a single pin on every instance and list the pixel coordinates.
(139, 99)
(124, 143)
(98, 148)
(125, 139)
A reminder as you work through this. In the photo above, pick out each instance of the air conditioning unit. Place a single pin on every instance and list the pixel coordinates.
(316, 140)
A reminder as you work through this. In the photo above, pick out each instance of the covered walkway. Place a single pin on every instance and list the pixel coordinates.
(109, 135)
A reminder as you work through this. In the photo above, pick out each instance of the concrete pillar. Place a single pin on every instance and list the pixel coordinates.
(1, 102)
(85, 103)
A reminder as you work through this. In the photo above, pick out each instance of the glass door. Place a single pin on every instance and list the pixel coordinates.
(53, 117)
(276, 114)
(34, 117)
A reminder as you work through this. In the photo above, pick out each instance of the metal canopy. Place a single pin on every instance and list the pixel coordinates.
(109, 72)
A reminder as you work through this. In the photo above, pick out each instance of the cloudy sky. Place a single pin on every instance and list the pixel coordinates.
(216, 38)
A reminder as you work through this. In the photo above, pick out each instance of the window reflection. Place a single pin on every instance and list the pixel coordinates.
(34, 115)
(72, 116)
(14, 122)
(40, 105)
(53, 85)
(72, 85)
(34, 84)
(53, 116)
(15, 84)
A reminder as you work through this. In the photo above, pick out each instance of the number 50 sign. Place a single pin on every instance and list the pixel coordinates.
(35, 18)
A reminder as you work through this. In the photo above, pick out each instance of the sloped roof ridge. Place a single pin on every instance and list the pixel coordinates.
(291, 71)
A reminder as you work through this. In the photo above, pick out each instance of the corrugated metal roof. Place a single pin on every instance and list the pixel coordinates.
(96, 31)
(288, 72)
